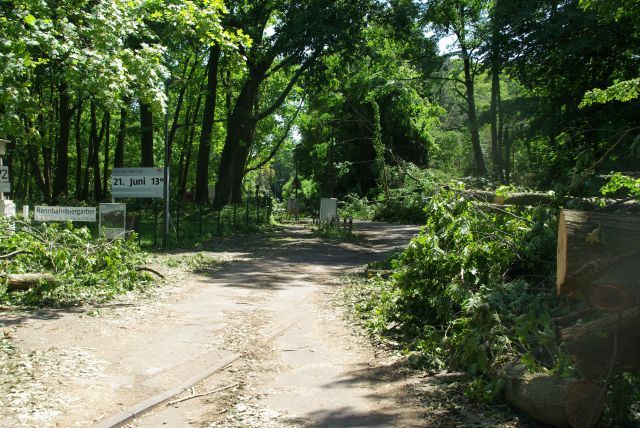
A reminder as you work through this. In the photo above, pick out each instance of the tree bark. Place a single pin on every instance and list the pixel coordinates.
(240, 131)
(92, 138)
(78, 138)
(496, 154)
(60, 185)
(107, 148)
(146, 136)
(552, 399)
(480, 166)
(176, 115)
(599, 258)
(605, 346)
(26, 281)
(118, 157)
(46, 170)
(97, 181)
(208, 117)
(187, 146)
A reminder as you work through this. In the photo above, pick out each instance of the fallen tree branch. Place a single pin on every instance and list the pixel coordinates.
(14, 253)
(171, 403)
(149, 269)
(569, 319)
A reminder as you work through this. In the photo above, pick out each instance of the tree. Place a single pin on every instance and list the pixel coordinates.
(462, 18)
(287, 37)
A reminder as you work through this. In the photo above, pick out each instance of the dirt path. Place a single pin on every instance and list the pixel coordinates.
(292, 359)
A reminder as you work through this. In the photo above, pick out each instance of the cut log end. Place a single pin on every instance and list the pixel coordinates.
(562, 252)
(585, 404)
(552, 399)
(599, 258)
(609, 297)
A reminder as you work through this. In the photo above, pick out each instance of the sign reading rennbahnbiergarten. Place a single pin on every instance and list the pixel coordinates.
(137, 182)
(82, 214)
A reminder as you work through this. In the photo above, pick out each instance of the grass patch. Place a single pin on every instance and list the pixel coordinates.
(333, 233)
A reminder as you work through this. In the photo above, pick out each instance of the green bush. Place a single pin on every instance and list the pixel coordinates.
(472, 291)
(88, 270)
(356, 207)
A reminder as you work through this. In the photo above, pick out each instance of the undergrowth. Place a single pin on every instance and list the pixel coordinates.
(474, 291)
(87, 269)
(333, 232)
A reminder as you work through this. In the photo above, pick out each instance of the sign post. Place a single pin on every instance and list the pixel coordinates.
(7, 207)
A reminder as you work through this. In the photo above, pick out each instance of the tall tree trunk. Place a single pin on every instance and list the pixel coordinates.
(60, 185)
(146, 136)
(507, 157)
(118, 157)
(97, 183)
(46, 162)
(480, 166)
(237, 145)
(107, 141)
(39, 177)
(93, 137)
(495, 103)
(176, 115)
(204, 149)
(187, 147)
(78, 138)
(242, 125)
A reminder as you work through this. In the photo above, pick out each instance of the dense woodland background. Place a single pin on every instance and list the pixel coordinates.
(352, 94)
(437, 112)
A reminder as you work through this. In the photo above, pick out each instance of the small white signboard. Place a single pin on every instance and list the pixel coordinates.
(328, 209)
(46, 213)
(113, 220)
(7, 208)
(293, 206)
(137, 183)
(4, 179)
(212, 193)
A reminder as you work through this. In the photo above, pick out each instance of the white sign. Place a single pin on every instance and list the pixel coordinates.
(45, 213)
(328, 209)
(137, 183)
(7, 208)
(113, 220)
(4, 179)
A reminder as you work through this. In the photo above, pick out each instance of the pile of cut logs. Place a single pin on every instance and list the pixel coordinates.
(599, 264)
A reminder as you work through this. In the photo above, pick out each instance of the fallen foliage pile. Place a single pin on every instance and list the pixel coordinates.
(85, 269)
(475, 291)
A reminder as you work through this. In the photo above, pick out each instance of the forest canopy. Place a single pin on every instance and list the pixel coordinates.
(344, 93)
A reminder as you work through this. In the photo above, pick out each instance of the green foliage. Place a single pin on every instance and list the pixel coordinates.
(620, 182)
(88, 270)
(623, 91)
(353, 206)
(472, 291)
(333, 232)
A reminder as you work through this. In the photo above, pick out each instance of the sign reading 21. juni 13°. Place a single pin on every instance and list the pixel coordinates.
(137, 182)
